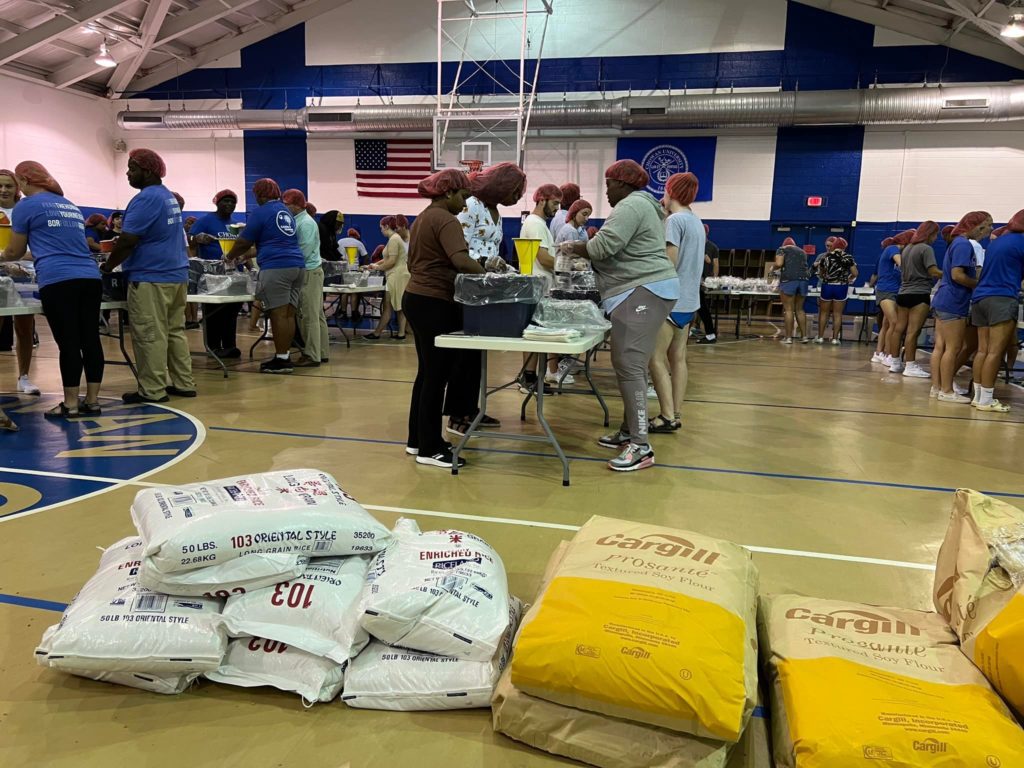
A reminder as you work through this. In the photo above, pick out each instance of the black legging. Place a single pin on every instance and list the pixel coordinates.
(707, 321)
(429, 318)
(221, 325)
(72, 308)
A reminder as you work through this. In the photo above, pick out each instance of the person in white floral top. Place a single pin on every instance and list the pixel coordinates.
(501, 184)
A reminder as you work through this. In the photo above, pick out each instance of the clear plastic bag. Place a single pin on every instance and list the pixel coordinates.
(570, 314)
(356, 279)
(199, 267)
(9, 296)
(334, 272)
(19, 271)
(235, 284)
(495, 288)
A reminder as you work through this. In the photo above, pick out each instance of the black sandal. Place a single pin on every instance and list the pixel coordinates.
(89, 409)
(660, 425)
(61, 411)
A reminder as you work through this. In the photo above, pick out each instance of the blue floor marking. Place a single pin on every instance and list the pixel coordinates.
(31, 602)
(684, 467)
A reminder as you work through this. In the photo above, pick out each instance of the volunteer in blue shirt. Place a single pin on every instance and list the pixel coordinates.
(272, 229)
(994, 310)
(222, 320)
(886, 282)
(311, 318)
(952, 302)
(151, 248)
(95, 231)
(69, 283)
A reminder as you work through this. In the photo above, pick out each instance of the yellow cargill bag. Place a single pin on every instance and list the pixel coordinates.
(978, 588)
(649, 624)
(856, 686)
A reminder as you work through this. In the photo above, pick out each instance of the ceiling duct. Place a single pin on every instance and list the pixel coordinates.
(873, 106)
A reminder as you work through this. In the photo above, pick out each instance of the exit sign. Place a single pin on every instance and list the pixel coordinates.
(815, 201)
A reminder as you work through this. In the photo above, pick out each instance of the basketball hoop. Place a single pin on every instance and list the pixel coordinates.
(473, 166)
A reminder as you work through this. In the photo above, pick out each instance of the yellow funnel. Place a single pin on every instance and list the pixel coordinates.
(226, 244)
(526, 250)
(5, 236)
(353, 254)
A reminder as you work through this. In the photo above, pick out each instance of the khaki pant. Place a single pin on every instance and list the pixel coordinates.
(157, 312)
(312, 321)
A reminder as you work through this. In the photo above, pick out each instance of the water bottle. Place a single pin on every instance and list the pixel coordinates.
(563, 271)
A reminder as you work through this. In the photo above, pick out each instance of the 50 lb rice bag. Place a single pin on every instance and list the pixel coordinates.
(115, 625)
(646, 623)
(317, 613)
(855, 685)
(234, 577)
(252, 662)
(979, 588)
(441, 592)
(300, 511)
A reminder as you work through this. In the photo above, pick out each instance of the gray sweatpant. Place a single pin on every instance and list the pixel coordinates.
(635, 326)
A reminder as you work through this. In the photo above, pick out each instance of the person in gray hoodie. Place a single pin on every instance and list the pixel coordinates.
(638, 286)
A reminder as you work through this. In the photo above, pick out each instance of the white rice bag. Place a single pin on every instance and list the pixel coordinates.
(253, 662)
(382, 677)
(115, 625)
(234, 577)
(152, 683)
(299, 511)
(441, 592)
(317, 613)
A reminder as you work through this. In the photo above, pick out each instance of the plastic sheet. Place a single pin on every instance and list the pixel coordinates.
(730, 283)
(494, 288)
(571, 314)
(9, 296)
(235, 284)
(19, 271)
(355, 279)
(334, 272)
(199, 267)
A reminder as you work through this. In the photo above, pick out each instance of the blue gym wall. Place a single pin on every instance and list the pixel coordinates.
(822, 51)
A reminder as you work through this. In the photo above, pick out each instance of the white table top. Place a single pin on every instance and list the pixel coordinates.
(37, 309)
(337, 290)
(208, 298)
(813, 292)
(510, 344)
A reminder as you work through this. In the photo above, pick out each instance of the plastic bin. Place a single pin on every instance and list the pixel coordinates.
(115, 286)
(508, 320)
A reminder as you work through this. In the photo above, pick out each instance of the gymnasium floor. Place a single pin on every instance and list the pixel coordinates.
(838, 474)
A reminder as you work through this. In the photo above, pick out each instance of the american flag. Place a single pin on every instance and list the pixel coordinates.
(391, 167)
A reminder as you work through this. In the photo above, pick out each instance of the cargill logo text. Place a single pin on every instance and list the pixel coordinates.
(933, 746)
(661, 544)
(861, 622)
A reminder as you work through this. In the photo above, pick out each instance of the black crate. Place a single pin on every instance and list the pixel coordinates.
(509, 320)
(115, 286)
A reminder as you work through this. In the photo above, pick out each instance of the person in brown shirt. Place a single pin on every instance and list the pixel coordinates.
(437, 253)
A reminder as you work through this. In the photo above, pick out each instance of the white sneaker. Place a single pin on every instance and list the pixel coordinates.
(896, 366)
(836, 342)
(651, 394)
(887, 360)
(915, 371)
(878, 357)
(787, 340)
(819, 340)
(933, 392)
(953, 397)
(960, 390)
(555, 378)
(995, 406)
(805, 340)
(26, 387)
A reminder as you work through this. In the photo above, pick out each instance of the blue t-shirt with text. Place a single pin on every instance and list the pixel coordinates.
(889, 278)
(1003, 270)
(951, 296)
(154, 217)
(214, 225)
(271, 228)
(56, 236)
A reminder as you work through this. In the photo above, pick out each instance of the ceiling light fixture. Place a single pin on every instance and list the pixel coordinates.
(1014, 27)
(105, 59)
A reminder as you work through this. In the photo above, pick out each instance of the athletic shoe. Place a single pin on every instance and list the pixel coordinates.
(651, 393)
(836, 342)
(805, 340)
(527, 384)
(960, 390)
(277, 365)
(915, 371)
(412, 451)
(994, 406)
(555, 379)
(614, 440)
(819, 340)
(566, 366)
(933, 392)
(633, 458)
(489, 422)
(887, 360)
(953, 397)
(708, 340)
(136, 398)
(26, 387)
(787, 340)
(896, 366)
(444, 459)
(172, 390)
(878, 357)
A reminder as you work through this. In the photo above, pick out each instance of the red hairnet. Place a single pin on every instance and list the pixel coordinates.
(576, 207)
(294, 197)
(628, 172)
(378, 254)
(570, 193)
(401, 222)
(148, 160)
(353, 232)
(925, 232)
(93, 220)
(707, 230)
(310, 209)
(17, 188)
(443, 182)
(547, 192)
(180, 199)
(495, 184)
(266, 189)
(1001, 231)
(904, 237)
(970, 221)
(947, 233)
(887, 242)
(222, 194)
(190, 220)
(829, 241)
(388, 222)
(591, 231)
(788, 241)
(1016, 224)
(682, 187)
(840, 244)
(37, 176)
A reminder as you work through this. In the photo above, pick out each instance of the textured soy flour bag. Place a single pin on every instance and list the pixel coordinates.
(234, 577)
(252, 662)
(292, 512)
(979, 588)
(317, 613)
(646, 623)
(115, 625)
(855, 685)
(440, 592)
(384, 677)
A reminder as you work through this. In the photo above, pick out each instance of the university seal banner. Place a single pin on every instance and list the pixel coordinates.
(663, 157)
